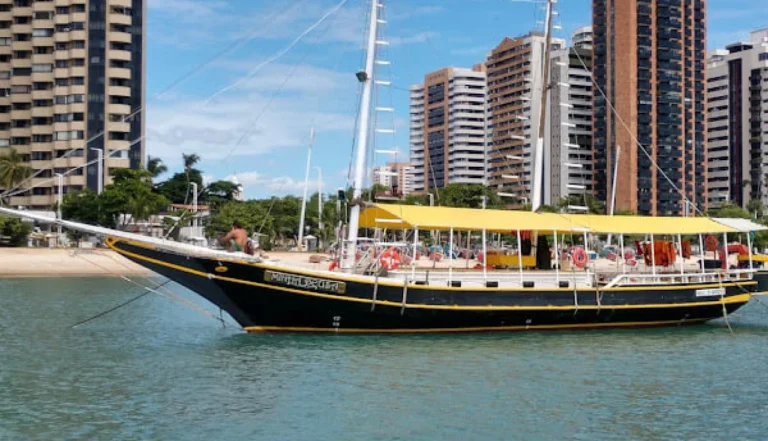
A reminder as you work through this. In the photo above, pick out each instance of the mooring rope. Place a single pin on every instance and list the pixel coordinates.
(102, 314)
(722, 301)
(178, 298)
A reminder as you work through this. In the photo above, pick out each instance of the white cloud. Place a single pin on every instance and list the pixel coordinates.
(253, 119)
(219, 21)
(187, 7)
(302, 78)
(274, 185)
(414, 11)
(421, 37)
(475, 51)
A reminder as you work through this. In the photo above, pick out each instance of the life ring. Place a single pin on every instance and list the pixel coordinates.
(390, 259)
(734, 248)
(580, 257)
(333, 265)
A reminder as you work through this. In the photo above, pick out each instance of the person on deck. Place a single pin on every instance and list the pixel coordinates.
(237, 239)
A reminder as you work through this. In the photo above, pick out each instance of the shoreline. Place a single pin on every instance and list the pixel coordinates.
(19, 263)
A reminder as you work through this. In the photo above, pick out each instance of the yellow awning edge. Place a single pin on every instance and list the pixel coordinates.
(393, 216)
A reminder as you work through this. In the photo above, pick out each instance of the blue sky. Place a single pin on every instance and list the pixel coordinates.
(252, 120)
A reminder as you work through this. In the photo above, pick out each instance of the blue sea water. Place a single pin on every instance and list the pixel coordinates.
(157, 370)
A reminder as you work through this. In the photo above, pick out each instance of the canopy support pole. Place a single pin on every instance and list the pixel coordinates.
(415, 244)
(557, 261)
(520, 257)
(622, 256)
(682, 258)
(703, 255)
(653, 256)
(749, 249)
(450, 256)
(725, 251)
(469, 249)
(485, 256)
(586, 250)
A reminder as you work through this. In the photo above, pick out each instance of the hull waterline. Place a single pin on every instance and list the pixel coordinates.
(267, 298)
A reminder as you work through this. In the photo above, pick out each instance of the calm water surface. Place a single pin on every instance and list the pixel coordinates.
(156, 370)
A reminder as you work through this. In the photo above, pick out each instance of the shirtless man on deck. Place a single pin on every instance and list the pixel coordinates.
(237, 239)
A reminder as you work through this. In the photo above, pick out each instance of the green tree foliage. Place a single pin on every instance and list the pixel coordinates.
(155, 166)
(220, 191)
(729, 211)
(130, 193)
(756, 207)
(190, 160)
(548, 209)
(586, 200)
(13, 169)
(252, 215)
(416, 199)
(467, 196)
(175, 189)
(14, 231)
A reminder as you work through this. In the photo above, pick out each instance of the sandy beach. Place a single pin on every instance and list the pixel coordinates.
(45, 262)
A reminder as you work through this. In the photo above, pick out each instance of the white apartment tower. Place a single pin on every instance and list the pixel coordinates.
(568, 141)
(448, 128)
(395, 174)
(514, 91)
(737, 85)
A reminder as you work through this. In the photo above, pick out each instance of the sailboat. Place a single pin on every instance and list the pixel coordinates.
(362, 297)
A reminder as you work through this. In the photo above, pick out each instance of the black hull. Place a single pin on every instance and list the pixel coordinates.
(761, 277)
(265, 298)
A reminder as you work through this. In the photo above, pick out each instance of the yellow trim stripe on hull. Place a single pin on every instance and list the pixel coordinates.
(351, 278)
(264, 329)
(727, 300)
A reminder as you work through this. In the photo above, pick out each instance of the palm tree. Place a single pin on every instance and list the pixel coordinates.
(13, 170)
(155, 166)
(189, 162)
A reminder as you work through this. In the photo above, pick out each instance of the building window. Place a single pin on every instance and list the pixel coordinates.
(763, 57)
(42, 68)
(42, 32)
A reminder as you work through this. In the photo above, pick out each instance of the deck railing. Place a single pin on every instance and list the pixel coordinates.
(677, 279)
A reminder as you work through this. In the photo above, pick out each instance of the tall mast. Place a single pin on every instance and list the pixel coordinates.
(300, 246)
(366, 78)
(538, 154)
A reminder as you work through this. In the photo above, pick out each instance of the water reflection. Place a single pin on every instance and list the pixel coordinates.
(156, 370)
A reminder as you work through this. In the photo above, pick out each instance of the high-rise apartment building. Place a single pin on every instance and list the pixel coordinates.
(737, 84)
(514, 91)
(448, 128)
(395, 176)
(650, 60)
(568, 143)
(71, 77)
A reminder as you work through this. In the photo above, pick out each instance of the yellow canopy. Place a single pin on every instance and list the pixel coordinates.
(461, 219)
(648, 224)
(464, 219)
